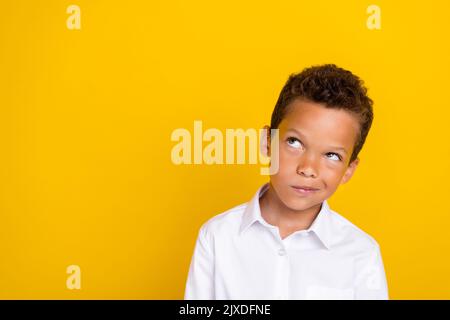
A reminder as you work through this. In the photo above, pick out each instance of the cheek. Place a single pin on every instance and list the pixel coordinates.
(332, 176)
(286, 170)
(288, 163)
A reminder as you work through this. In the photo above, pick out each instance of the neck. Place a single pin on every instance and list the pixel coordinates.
(276, 213)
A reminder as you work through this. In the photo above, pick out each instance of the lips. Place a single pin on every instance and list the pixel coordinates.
(304, 190)
(307, 188)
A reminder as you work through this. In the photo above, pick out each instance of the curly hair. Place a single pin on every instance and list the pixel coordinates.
(332, 87)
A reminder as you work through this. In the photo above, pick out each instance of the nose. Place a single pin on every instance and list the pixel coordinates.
(306, 166)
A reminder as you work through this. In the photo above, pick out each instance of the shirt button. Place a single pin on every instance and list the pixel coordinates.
(281, 252)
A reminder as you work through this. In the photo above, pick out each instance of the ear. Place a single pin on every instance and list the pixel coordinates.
(265, 141)
(350, 171)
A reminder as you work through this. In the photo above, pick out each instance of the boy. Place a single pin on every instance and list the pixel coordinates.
(286, 242)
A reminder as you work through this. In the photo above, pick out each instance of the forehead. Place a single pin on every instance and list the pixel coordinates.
(321, 125)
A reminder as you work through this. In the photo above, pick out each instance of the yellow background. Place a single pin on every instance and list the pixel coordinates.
(86, 116)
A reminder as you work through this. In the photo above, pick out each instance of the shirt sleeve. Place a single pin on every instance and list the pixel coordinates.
(200, 281)
(371, 283)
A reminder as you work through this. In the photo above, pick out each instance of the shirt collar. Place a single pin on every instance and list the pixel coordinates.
(321, 226)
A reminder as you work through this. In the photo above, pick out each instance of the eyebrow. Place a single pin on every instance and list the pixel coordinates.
(300, 134)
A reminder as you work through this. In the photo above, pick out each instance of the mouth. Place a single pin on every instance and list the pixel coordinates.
(304, 190)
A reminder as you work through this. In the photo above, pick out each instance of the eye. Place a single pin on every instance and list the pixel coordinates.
(336, 158)
(293, 142)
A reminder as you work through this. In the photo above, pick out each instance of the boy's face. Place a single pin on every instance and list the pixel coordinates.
(315, 147)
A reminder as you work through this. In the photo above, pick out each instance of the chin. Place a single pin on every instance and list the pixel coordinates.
(298, 204)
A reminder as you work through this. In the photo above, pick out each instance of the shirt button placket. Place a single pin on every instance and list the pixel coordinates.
(284, 272)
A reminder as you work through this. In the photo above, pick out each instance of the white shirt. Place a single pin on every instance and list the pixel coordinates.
(238, 255)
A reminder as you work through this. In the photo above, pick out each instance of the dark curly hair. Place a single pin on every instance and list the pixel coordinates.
(332, 87)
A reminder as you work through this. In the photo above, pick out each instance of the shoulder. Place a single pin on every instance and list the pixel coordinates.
(224, 223)
(346, 232)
